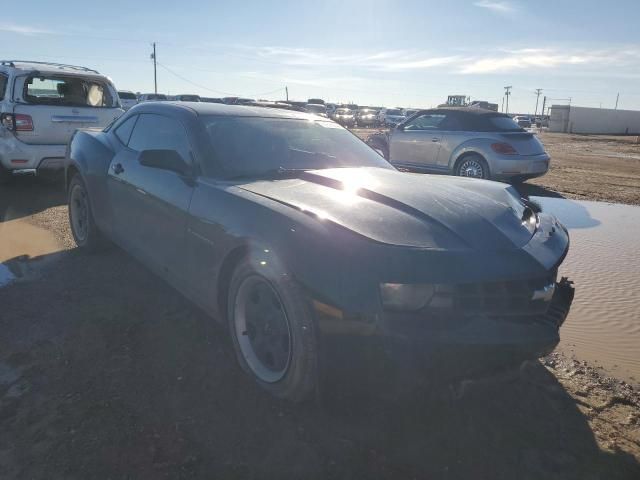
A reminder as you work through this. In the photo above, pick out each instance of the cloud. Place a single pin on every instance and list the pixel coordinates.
(531, 58)
(23, 29)
(311, 61)
(498, 7)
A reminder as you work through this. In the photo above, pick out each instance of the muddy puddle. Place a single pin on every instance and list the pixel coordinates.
(604, 262)
(23, 250)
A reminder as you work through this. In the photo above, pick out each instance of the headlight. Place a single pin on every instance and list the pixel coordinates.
(404, 296)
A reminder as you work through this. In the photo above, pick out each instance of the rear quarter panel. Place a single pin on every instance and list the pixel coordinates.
(456, 144)
(90, 152)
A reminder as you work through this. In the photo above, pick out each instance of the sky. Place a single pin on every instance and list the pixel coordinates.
(377, 52)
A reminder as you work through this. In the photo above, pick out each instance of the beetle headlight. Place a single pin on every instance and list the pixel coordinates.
(405, 296)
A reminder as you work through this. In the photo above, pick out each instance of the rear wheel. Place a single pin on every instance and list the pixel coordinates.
(84, 230)
(273, 332)
(473, 166)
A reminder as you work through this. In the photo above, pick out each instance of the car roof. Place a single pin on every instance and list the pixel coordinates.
(47, 67)
(466, 111)
(220, 109)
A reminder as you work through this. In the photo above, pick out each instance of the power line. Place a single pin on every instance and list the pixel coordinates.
(196, 84)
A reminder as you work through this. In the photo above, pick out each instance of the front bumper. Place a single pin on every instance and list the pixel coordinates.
(19, 158)
(412, 348)
(509, 166)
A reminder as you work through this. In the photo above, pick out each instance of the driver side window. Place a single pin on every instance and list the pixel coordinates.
(157, 132)
(428, 121)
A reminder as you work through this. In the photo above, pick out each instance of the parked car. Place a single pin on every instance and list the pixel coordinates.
(316, 108)
(366, 117)
(41, 104)
(127, 99)
(390, 117)
(305, 242)
(467, 142)
(524, 122)
(186, 98)
(345, 116)
(152, 97)
(211, 100)
(331, 109)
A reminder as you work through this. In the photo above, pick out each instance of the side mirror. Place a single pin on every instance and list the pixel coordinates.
(165, 160)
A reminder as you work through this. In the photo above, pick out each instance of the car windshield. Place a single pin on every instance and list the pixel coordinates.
(503, 124)
(365, 111)
(255, 147)
(343, 111)
(394, 112)
(67, 91)
(189, 98)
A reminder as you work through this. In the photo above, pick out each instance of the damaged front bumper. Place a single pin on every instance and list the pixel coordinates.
(449, 346)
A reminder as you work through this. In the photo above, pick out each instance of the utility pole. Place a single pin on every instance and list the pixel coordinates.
(544, 103)
(538, 92)
(617, 98)
(155, 74)
(286, 90)
(507, 92)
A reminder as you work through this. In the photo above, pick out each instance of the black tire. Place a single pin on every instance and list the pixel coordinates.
(297, 381)
(472, 163)
(83, 227)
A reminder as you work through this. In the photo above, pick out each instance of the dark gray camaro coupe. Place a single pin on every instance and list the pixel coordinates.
(312, 247)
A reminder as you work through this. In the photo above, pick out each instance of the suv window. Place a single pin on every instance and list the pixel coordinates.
(428, 121)
(3, 85)
(156, 132)
(123, 132)
(67, 91)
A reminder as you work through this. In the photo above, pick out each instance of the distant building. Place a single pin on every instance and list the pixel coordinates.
(570, 119)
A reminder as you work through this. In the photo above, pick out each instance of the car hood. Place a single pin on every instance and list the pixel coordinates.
(406, 209)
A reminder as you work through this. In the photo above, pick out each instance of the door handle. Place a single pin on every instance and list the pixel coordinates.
(117, 168)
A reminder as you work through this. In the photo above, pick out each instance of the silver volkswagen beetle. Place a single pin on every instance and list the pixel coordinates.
(469, 142)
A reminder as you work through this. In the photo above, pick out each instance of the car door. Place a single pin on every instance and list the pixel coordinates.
(150, 205)
(417, 143)
(452, 133)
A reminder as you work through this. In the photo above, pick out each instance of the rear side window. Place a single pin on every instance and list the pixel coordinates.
(3, 85)
(501, 124)
(67, 91)
(426, 122)
(127, 96)
(123, 132)
(157, 132)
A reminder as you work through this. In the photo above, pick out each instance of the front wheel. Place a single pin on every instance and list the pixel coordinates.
(273, 332)
(83, 228)
(473, 166)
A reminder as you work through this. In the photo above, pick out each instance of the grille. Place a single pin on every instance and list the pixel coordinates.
(493, 298)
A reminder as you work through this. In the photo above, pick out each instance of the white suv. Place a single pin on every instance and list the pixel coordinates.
(41, 106)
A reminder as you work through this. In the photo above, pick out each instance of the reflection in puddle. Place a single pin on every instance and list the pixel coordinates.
(603, 261)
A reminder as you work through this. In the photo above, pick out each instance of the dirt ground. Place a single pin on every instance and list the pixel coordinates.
(586, 167)
(106, 372)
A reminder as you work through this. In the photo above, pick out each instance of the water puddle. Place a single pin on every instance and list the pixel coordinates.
(603, 261)
(20, 243)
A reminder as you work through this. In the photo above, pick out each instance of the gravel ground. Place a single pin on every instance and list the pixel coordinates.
(106, 372)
